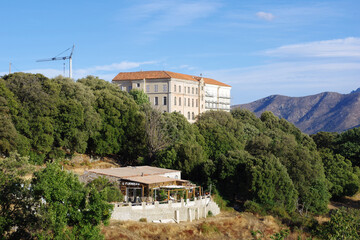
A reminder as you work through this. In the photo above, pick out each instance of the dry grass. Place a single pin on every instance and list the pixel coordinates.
(81, 162)
(224, 226)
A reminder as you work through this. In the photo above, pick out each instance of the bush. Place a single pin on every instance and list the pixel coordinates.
(162, 195)
(37, 159)
(110, 190)
(207, 228)
(143, 220)
(344, 224)
(253, 207)
(222, 203)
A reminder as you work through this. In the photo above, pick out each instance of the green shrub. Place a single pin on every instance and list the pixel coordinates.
(222, 203)
(143, 220)
(253, 207)
(344, 224)
(37, 159)
(162, 195)
(110, 190)
(207, 228)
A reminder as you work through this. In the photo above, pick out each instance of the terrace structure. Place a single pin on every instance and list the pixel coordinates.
(177, 92)
(145, 183)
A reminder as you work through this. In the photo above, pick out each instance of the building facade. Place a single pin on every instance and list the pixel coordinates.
(177, 92)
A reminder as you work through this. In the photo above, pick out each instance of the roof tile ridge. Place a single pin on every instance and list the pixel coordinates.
(166, 72)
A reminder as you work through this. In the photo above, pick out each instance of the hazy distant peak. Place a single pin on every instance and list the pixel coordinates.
(326, 111)
(355, 91)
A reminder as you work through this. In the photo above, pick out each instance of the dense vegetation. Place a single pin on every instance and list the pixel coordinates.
(53, 205)
(263, 164)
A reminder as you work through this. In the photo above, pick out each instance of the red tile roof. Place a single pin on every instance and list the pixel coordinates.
(123, 76)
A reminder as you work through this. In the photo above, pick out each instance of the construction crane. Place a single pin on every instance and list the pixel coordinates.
(62, 58)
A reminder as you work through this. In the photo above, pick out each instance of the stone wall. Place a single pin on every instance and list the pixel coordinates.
(179, 211)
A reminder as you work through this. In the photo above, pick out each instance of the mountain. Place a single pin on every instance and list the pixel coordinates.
(327, 111)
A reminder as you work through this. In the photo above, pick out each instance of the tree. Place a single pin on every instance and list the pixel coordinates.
(141, 98)
(344, 224)
(69, 209)
(8, 133)
(348, 145)
(340, 173)
(122, 124)
(157, 137)
(18, 209)
(110, 190)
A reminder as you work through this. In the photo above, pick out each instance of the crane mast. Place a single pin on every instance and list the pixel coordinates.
(62, 58)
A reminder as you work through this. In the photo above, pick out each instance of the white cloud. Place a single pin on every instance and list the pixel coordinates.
(160, 16)
(289, 78)
(107, 72)
(185, 66)
(125, 65)
(48, 72)
(265, 16)
(347, 47)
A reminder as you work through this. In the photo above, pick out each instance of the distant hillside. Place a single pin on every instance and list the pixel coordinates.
(328, 111)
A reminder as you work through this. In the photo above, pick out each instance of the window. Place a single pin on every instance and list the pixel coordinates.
(189, 115)
(202, 87)
(123, 88)
(202, 106)
(180, 112)
(188, 89)
(156, 101)
(174, 100)
(193, 116)
(192, 102)
(196, 90)
(185, 102)
(129, 88)
(138, 85)
(184, 89)
(148, 88)
(179, 88)
(149, 99)
(156, 88)
(179, 101)
(197, 102)
(192, 90)
(174, 88)
(189, 102)
(164, 88)
(164, 100)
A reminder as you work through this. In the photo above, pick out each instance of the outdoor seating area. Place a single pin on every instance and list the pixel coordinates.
(146, 184)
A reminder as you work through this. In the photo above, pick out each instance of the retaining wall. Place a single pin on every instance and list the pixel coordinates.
(178, 211)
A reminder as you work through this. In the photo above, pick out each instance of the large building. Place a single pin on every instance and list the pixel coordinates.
(170, 91)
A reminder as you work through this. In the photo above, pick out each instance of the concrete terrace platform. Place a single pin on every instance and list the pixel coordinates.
(177, 211)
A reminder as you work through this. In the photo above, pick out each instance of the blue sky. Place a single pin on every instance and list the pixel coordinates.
(260, 48)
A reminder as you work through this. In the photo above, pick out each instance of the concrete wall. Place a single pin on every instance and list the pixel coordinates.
(181, 211)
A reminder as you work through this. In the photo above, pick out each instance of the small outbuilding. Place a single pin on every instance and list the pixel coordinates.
(145, 183)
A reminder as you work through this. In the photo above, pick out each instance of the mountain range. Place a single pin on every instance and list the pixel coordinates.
(327, 111)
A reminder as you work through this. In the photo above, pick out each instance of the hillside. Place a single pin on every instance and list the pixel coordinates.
(328, 111)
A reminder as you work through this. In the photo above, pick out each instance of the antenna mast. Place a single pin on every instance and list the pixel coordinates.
(9, 67)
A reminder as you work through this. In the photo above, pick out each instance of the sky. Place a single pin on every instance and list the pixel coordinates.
(259, 47)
